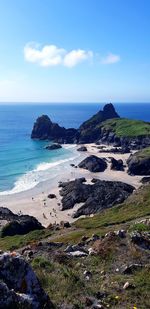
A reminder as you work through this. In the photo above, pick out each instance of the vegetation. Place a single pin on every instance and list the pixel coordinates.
(18, 241)
(127, 128)
(64, 279)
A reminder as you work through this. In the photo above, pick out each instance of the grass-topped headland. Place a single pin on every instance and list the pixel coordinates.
(123, 127)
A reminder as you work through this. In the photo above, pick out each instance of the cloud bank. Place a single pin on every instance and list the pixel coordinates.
(51, 55)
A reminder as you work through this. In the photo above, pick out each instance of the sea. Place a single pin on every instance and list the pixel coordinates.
(24, 162)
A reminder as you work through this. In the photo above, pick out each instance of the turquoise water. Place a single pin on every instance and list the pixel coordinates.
(24, 162)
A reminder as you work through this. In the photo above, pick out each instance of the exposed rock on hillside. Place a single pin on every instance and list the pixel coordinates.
(93, 164)
(139, 163)
(19, 286)
(96, 197)
(17, 224)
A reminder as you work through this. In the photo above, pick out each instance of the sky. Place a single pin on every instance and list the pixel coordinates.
(74, 51)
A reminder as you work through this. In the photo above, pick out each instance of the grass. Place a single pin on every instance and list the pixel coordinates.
(136, 206)
(63, 277)
(17, 241)
(127, 128)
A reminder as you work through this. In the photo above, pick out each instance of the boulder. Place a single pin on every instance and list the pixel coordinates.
(101, 195)
(19, 286)
(51, 196)
(116, 165)
(93, 164)
(139, 163)
(82, 148)
(130, 269)
(17, 224)
(145, 180)
(53, 147)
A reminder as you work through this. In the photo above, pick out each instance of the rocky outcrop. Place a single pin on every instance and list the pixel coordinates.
(96, 197)
(97, 129)
(139, 163)
(19, 286)
(93, 164)
(53, 147)
(89, 130)
(116, 165)
(45, 129)
(17, 224)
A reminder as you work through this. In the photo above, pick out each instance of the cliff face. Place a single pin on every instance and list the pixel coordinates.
(89, 130)
(44, 128)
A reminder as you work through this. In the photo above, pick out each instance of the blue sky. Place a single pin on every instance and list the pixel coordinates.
(75, 50)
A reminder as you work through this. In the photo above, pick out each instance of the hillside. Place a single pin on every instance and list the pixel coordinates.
(115, 275)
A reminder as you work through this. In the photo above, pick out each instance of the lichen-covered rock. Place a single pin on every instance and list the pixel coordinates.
(19, 286)
(93, 164)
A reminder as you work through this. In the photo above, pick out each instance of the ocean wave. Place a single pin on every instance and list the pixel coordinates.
(32, 178)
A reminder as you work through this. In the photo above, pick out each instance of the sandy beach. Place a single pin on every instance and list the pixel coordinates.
(35, 201)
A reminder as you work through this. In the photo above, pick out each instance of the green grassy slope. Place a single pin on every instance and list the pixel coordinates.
(127, 128)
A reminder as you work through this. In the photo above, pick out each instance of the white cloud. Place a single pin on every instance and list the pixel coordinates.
(74, 57)
(51, 55)
(110, 59)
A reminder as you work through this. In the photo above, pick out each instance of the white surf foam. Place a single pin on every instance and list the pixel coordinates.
(44, 171)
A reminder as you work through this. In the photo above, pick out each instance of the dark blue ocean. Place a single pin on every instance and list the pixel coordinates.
(22, 159)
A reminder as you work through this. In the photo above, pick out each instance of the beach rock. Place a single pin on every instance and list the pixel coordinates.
(145, 180)
(51, 195)
(18, 224)
(53, 147)
(82, 148)
(102, 194)
(116, 165)
(19, 286)
(93, 164)
(139, 163)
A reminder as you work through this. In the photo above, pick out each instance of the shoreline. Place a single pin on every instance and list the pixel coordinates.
(35, 202)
